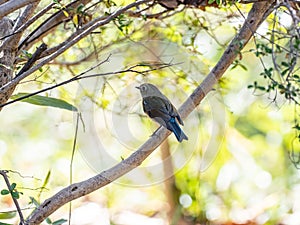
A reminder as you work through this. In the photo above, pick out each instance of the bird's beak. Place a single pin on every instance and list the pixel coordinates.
(138, 87)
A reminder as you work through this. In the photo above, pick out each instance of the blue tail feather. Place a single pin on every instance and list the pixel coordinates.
(175, 128)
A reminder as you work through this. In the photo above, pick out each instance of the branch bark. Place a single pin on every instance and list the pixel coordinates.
(13, 5)
(3, 1)
(23, 18)
(7, 57)
(76, 190)
(8, 49)
(50, 24)
(33, 58)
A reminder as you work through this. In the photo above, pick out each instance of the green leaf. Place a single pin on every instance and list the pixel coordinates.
(46, 181)
(45, 101)
(7, 215)
(297, 127)
(27, 54)
(48, 220)
(243, 67)
(15, 195)
(60, 221)
(285, 64)
(285, 71)
(261, 88)
(13, 186)
(80, 8)
(5, 192)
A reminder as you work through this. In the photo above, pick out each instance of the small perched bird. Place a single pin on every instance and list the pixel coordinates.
(159, 108)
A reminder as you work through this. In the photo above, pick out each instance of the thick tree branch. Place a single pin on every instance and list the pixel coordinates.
(34, 18)
(28, 12)
(20, 28)
(7, 57)
(13, 5)
(50, 24)
(14, 39)
(8, 49)
(3, 1)
(80, 189)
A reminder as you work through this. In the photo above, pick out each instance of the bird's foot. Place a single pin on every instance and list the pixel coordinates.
(155, 133)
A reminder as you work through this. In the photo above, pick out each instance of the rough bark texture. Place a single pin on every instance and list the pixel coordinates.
(7, 57)
(9, 49)
(11, 6)
(3, 1)
(254, 19)
(51, 24)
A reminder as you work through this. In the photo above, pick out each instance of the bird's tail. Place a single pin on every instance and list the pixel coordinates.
(175, 128)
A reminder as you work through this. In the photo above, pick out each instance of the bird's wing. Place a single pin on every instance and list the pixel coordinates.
(156, 107)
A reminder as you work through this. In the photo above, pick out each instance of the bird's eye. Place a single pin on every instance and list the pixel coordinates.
(143, 88)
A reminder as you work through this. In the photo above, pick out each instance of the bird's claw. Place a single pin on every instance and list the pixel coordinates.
(155, 133)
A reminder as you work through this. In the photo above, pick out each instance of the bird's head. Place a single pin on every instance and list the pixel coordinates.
(148, 90)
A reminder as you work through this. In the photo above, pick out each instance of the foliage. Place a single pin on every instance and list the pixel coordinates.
(44, 101)
(175, 49)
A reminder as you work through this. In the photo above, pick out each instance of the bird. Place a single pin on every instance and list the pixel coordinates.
(159, 108)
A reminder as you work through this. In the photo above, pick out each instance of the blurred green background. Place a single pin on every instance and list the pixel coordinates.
(235, 168)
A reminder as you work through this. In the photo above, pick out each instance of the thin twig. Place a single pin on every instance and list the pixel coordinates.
(72, 159)
(4, 174)
(80, 77)
(56, 85)
(33, 58)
